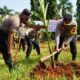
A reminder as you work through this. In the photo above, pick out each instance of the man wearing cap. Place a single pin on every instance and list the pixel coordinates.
(66, 31)
(7, 28)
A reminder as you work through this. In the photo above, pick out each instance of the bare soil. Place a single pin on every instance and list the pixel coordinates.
(56, 71)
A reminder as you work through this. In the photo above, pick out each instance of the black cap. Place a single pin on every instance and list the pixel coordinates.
(68, 17)
(26, 12)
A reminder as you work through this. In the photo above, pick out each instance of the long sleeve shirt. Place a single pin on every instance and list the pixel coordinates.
(62, 31)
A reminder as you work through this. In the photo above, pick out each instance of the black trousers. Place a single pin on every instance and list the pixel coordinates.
(4, 49)
(30, 44)
(72, 48)
(22, 44)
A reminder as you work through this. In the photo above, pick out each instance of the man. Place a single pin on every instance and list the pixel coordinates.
(66, 31)
(31, 38)
(7, 28)
(21, 36)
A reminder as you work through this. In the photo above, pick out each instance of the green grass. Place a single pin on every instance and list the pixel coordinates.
(25, 66)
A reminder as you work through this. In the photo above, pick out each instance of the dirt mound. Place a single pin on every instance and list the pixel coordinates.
(56, 71)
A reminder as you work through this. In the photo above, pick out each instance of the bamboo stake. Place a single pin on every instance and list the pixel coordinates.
(15, 57)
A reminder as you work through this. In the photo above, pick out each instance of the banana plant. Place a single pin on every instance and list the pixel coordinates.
(46, 23)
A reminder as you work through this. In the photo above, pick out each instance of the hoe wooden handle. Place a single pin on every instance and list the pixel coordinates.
(47, 57)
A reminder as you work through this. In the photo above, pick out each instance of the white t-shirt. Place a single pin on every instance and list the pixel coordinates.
(22, 32)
